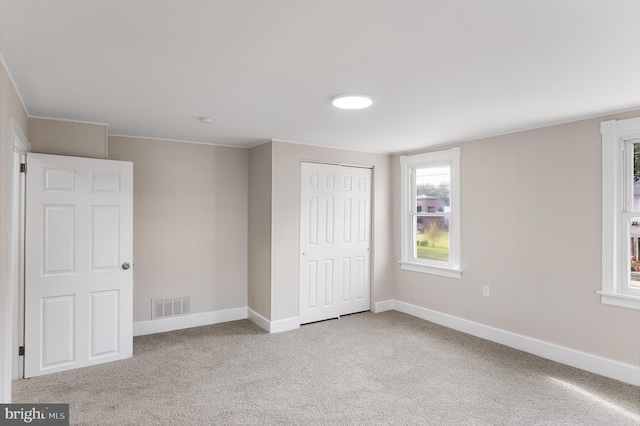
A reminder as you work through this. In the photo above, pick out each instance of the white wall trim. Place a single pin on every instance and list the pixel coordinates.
(383, 306)
(13, 83)
(142, 328)
(262, 142)
(365, 151)
(627, 373)
(66, 120)
(287, 324)
(620, 299)
(259, 320)
(277, 326)
(431, 269)
(150, 138)
(9, 291)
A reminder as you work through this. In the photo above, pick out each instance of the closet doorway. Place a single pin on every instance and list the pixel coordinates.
(335, 241)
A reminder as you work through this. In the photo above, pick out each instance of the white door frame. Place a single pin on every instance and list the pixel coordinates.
(370, 249)
(10, 301)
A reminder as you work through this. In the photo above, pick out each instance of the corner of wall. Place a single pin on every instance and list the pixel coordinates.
(277, 326)
(259, 236)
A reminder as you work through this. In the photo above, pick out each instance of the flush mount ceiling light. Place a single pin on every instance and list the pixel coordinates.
(352, 101)
(207, 120)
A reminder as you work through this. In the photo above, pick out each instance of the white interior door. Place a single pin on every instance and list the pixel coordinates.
(79, 249)
(335, 231)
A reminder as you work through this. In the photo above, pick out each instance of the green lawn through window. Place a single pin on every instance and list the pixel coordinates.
(439, 251)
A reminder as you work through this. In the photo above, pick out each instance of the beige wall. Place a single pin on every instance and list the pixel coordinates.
(190, 222)
(531, 230)
(59, 137)
(286, 222)
(259, 239)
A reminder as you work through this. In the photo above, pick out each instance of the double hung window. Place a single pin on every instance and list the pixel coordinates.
(431, 213)
(621, 213)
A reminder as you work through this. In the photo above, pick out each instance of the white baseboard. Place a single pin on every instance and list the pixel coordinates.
(259, 320)
(187, 321)
(286, 324)
(627, 373)
(277, 326)
(383, 306)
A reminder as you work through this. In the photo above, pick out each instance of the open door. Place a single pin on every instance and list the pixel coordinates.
(78, 259)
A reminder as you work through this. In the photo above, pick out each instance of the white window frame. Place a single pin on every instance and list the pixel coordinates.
(408, 163)
(617, 208)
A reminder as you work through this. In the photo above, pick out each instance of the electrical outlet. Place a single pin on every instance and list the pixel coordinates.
(485, 291)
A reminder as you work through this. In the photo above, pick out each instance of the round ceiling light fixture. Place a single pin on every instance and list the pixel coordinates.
(352, 101)
(206, 120)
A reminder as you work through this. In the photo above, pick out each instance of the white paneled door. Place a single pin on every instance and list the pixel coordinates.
(335, 243)
(79, 254)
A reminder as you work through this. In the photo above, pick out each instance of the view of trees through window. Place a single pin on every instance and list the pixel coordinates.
(432, 207)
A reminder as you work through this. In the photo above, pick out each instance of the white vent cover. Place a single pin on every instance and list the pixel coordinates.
(171, 307)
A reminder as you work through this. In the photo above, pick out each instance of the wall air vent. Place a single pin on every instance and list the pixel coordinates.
(171, 307)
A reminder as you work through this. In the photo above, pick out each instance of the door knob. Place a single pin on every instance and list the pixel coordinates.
(126, 266)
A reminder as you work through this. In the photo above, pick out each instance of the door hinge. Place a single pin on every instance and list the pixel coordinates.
(21, 351)
(23, 168)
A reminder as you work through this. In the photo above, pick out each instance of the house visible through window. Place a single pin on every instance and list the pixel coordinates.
(430, 213)
(621, 213)
(433, 187)
(632, 180)
(633, 149)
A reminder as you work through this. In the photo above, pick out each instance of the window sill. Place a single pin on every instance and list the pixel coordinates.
(430, 269)
(620, 300)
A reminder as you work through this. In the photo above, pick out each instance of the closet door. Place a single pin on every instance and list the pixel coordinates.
(335, 230)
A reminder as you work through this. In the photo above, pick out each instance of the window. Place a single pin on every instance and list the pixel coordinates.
(621, 213)
(431, 213)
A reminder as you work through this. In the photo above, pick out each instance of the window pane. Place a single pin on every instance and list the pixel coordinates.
(432, 189)
(432, 238)
(634, 250)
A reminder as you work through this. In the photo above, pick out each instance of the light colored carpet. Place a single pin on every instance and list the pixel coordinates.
(363, 369)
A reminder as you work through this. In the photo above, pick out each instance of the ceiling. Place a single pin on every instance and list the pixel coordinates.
(438, 71)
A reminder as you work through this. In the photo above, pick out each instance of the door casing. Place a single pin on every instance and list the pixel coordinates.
(338, 256)
(10, 331)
